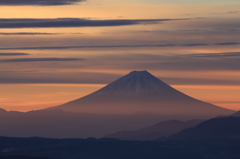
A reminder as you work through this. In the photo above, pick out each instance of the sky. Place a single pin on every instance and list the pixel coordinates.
(54, 51)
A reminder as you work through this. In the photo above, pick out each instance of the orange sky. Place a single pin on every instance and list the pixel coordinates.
(25, 97)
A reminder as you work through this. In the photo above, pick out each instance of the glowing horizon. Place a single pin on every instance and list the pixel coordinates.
(47, 95)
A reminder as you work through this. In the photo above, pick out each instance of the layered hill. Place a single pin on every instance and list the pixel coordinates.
(61, 124)
(236, 114)
(140, 91)
(159, 130)
(225, 127)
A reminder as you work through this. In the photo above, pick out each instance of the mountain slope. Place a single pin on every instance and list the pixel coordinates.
(139, 91)
(226, 127)
(236, 114)
(161, 129)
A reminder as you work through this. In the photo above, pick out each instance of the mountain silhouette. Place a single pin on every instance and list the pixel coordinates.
(225, 127)
(140, 91)
(236, 114)
(161, 129)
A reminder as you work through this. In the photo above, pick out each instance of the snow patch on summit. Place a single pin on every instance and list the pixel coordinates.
(137, 84)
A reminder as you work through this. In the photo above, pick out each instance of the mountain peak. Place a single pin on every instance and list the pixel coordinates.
(142, 73)
(139, 72)
(136, 84)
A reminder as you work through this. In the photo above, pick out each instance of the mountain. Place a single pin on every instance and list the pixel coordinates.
(61, 124)
(236, 114)
(140, 91)
(161, 129)
(225, 127)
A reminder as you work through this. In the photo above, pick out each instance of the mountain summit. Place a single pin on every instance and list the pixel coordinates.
(140, 91)
(137, 84)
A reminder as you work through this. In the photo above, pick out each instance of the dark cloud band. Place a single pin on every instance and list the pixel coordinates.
(227, 54)
(118, 46)
(29, 33)
(40, 59)
(75, 22)
(230, 43)
(12, 54)
(37, 2)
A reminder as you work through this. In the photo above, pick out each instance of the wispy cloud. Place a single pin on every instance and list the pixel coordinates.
(118, 46)
(56, 77)
(196, 44)
(177, 63)
(13, 54)
(75, 22)
(99, 78)
(38, 2)
(228, 54)
(199, 62)
(229, 12)
(29, 33)
(201, 81)
(227, 43)
(40, 59)
(192, 62)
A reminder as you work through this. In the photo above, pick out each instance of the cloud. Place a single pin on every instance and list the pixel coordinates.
(75, 22)
(197, 44)
(29, 33)
(56, 77)
(192, 62)
(189, 30)
(38, 2)
(40, 59)
(229, 12)
(13, 54)
(228, 54)
(233, 12)
(210, 62)
(228, 43)
(99, 78)
(118, 46)
(77, 72)
(200, 81)
(226, 29)
(75, 47)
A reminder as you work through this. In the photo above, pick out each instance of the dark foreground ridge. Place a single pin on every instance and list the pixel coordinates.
(91, 148)
(140, 91)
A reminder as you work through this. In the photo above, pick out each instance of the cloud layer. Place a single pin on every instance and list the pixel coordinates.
(74, 22)
(40, 59)
(38, 2)
(226, 54)
(119, 46)
(13, 54)
(29, 33)
(73, 71)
